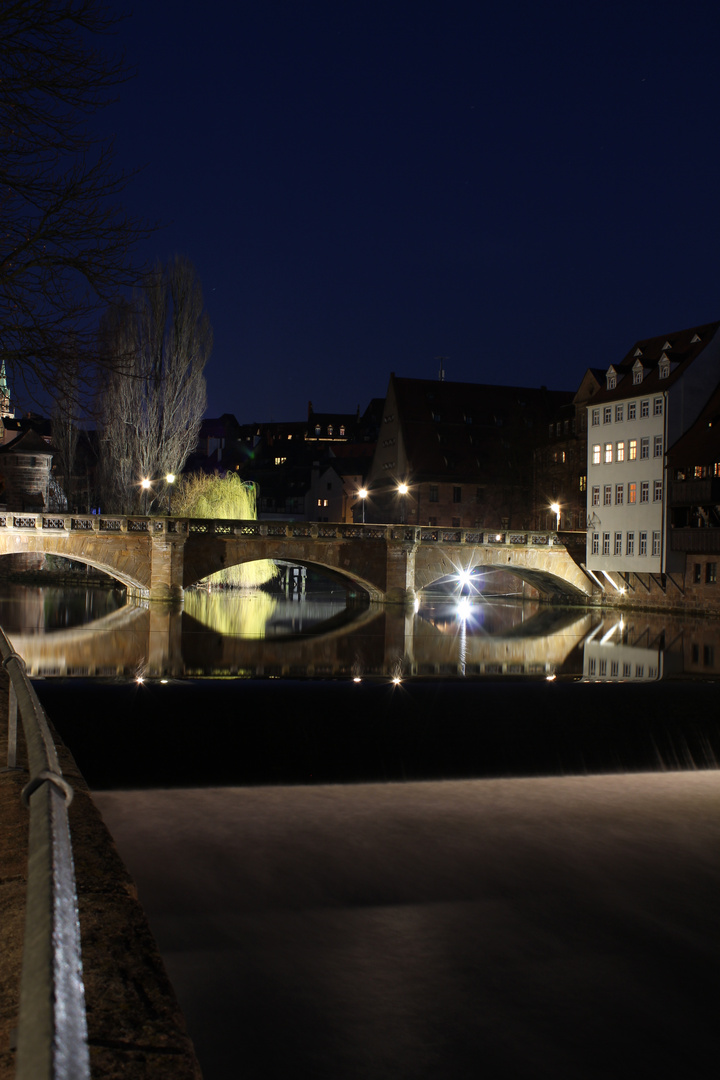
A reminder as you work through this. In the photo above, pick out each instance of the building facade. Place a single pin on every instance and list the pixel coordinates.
(649, 399)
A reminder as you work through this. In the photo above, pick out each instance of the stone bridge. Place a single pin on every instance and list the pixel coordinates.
(158, 558)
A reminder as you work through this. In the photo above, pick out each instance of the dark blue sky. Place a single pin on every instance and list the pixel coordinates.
(525, 188)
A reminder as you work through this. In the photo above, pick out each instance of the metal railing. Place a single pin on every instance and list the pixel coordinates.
(52, 1026)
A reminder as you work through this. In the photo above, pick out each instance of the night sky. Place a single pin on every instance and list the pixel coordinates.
(524, 188)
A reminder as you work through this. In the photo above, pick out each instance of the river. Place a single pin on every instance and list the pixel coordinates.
(481, 837)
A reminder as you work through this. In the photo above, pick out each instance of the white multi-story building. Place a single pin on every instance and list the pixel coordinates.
(649, 399)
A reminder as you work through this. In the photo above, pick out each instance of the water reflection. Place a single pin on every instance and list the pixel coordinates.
(94, 632)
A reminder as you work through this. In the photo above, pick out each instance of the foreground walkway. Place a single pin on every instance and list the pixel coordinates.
(135, 1026)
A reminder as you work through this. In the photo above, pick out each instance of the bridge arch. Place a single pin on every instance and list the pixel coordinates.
(55, 545)
(225, 560)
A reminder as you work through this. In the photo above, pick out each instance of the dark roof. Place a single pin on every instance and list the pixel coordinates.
(681, 348)
(28, 442)
(700, 444)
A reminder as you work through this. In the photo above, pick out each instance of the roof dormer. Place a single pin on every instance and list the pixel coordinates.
(664, 366)
(638, 371)
(695, 338)
(667, 345)
(611, 378)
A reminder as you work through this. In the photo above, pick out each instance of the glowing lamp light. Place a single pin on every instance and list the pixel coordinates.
(170, 480)
(555, 507)
(402, 490)
(363, 496)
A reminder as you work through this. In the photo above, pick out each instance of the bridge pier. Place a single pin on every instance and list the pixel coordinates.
(400, 567)
(166, 566)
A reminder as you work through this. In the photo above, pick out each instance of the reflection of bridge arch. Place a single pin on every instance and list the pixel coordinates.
(162, 640)
(159, 557)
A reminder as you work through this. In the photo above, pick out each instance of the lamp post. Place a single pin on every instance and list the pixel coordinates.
(170, 480)
(555, 507)
(402, 492)
(145, 484)
(363, 496)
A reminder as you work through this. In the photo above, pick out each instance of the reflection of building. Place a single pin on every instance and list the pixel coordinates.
(649, 399)
(608, 656)
(465, 450)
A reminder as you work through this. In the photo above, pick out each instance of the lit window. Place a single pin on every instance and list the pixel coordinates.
(280, 460)
(632, 493)
(583, 483)
(619, 410)
(632, 449)
(657, 406)
(596, 453)
(620, 451)
(644, 492)
(711, 573)
(657, 491)
(342, 429)
(608, 453)
(607, 495)
(619, 494)
(645, 407)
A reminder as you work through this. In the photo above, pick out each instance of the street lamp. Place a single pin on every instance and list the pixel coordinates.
(170, 480)
(363, 496)
(145, 484)
(555, 507)
(402, 491)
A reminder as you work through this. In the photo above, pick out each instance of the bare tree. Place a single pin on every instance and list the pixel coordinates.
(153, 403)
(65, 242)
(66, 430)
